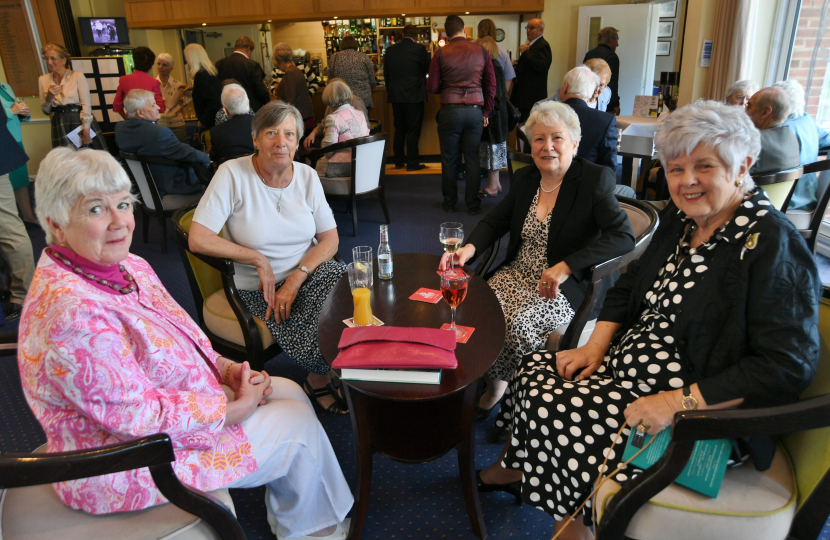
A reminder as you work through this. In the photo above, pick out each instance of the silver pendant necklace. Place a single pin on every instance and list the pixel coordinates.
(279, 208)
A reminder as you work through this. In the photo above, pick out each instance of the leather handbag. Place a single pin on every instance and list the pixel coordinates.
(513, 116)
(394, 347)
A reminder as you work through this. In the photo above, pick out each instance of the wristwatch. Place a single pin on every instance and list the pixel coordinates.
(304, 269)
(689, 401)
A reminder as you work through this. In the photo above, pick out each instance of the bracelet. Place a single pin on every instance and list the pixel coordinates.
(228, 372)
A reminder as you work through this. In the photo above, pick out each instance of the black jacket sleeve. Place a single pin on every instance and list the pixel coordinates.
(613, 84)
(607, 151)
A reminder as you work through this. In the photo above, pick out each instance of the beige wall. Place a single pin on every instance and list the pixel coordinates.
(700, 25)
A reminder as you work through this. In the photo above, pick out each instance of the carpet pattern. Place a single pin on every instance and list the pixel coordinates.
(407, 501)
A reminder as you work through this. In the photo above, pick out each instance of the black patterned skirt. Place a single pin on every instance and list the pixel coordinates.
(67, 118)
(298, 335)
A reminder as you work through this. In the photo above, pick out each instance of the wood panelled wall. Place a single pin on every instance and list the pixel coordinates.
(182, 13)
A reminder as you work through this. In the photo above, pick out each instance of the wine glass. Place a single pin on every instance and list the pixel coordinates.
(451, 236)
(454, 290)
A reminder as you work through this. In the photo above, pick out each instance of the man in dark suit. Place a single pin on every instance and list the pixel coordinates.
(232, 138)
(249, 73)
(599, 129)
(609, 40)
(769, 108)
(531, 84)
(141, 135)
(405, 66)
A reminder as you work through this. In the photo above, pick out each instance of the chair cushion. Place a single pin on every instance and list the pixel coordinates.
(36, 513)
(174, 202)
(751, 505)
(336, 186)
(222, 321)
(800, 218)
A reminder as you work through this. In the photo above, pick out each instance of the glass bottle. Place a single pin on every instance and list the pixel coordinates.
(384, 254)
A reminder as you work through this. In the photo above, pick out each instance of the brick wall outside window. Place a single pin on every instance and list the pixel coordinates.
(810, 56)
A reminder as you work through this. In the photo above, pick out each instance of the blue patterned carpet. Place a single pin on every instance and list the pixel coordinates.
(407, 501)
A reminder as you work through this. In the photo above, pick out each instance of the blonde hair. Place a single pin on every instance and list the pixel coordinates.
(58, 48)
(197, 59)
(489, 45)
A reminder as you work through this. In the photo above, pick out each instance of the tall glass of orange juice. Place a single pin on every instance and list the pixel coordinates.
(360, 282)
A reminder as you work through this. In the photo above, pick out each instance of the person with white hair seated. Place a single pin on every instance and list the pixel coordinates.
(173, 93)
(140, 134)
(563, 218)
(343, 124)
(739, 92)
(769, 108)
(810, 138)
(599, 129)
(602, 94)
(232, 138)
(107, 355)
(719, 312)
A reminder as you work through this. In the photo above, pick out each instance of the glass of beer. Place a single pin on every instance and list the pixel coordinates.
(360, 277)
(454, 290)
(451, 236)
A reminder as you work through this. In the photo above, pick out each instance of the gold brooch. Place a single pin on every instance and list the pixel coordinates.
(751, 243)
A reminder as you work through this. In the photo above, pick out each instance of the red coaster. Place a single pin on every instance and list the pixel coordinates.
(430, 296)
(468, 331)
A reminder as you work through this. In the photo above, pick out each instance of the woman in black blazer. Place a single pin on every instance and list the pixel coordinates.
(563, 218)
(721, 311)
(207, 88)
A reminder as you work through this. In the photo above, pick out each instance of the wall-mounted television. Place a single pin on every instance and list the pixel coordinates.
(103, 31)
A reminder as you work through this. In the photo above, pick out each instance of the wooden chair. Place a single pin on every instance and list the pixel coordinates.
(808, 221)
(790, 500)
(223, 316)
(516, 161)
(779, 186)
(367, 173)
(152, 203)
(30, 508)
(644, 221)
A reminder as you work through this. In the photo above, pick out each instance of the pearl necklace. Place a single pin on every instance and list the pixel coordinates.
(552, 190)
(92, 277)
(282, 189)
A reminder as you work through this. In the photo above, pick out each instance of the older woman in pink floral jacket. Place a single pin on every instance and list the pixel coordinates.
(106, 355)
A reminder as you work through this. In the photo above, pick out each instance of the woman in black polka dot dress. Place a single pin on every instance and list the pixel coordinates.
(720, 311)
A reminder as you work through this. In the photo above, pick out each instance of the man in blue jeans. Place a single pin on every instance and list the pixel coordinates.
(462, 72)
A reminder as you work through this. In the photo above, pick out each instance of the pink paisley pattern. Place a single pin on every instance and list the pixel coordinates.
(98, 368)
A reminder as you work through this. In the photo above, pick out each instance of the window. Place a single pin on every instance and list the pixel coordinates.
(809, 55)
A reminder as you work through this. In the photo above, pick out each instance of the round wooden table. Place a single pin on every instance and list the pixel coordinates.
(415, 423)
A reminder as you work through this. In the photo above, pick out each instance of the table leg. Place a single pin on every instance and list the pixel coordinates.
(627, 166)
(363, 462)
(466, 464)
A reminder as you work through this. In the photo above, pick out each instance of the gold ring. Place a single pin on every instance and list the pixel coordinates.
(282, 307)
(643, 427)
(545, 283)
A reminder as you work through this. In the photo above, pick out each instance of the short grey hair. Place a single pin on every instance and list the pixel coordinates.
(726, 129)
(553, 112)
(283, 52)
(746, 86)
(582, 82)
(273, 114)
(777, 99)
(166, 58)
(795, 91)
(337, 93)
(66, 176)
(235, 100)
(137, 99)
(607, 34)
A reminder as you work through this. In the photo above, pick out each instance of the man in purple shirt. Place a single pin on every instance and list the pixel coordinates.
(462, 72)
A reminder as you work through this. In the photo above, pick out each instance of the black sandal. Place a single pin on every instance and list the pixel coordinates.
(314, 394)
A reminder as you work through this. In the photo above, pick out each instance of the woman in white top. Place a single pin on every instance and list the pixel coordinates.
(64, 94)
(173, 93)
(281, 235)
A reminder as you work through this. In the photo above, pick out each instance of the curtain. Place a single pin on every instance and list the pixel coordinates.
(732, 44)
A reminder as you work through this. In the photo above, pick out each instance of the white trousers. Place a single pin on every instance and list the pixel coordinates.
(305, 488)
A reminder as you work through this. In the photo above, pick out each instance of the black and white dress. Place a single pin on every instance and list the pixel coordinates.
(529, 318)
(562, 430)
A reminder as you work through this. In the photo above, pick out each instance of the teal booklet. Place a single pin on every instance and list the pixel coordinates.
(705, 469)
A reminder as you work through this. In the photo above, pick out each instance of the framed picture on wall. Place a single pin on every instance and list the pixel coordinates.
(663, 48)
(668, 9)
(665, 29)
